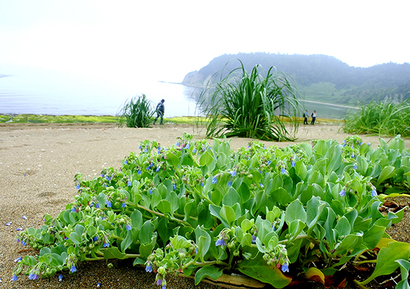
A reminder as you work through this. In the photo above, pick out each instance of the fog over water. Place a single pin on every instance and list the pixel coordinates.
(29, 90)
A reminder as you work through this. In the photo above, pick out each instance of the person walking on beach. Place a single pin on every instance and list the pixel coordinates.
(160, 111)
(305, 117)
(313, 117)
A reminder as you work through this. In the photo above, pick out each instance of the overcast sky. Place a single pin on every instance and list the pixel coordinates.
(167, 39)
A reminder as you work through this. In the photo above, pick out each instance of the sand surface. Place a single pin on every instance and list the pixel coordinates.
(37, 167)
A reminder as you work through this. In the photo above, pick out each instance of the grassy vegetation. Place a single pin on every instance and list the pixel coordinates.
(382, 118)
(137, 112)
(250, 105)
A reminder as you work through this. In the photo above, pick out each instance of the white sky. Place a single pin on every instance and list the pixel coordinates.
(167, 39)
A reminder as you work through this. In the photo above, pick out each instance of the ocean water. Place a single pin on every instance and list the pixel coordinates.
(28, 90)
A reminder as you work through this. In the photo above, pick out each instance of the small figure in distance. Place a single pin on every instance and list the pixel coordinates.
(305, 117)
(313, 117)
(160, 111)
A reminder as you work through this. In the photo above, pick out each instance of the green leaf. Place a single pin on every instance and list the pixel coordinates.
(203, 241)
(75, 238)
(206, 159)
(126, 242)
(404, 270)
(207, 271)
(228, 214)
(386, 260)
(259, 270)
(114, 253)
(164, 206)
(295, 211)
(372, 237)
(387, 172)
(146, 233)
(231, 198)
(79, 229)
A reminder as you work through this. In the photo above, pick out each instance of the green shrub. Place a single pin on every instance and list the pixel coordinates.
(251, 105)
(136, 112)
(382, 118)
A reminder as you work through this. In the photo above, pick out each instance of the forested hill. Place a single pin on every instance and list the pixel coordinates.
(319, 77)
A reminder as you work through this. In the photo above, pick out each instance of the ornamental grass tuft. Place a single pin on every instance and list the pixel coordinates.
(136, 112)
(251, 105)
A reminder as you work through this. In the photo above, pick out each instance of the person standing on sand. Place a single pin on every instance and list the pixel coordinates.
(313, 117)
(160, 111)
(305, 117)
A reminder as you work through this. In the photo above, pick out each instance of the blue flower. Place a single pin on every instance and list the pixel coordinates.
(220, 242)
(97, 205)
(19, 229)
(125, 162)
(128, 227)
(77, 187)
(187, 146)
(124, 205)
(285, 268)
(148, 268)
(283, 171)
(202, 184)
(159, 282)
(7, 224)
(233, 173)
(24, 218)
(139, 147)
(194, 150)
(214, 180)
(253, 239)
(73, 269)
(106, 245)
(230, 183)
(17, 260)
(261, 185)
(23, 243)
(107, 178)
(139, 172)
(293, 164)
(31, 276)
(95, 238)
(174, 186)
(159, 148)
(374, 193)
(164, 287)
(355, 167)
(342, 193)
(73, 209)
(352, 156)
(269, 162)
(158, 168)
(145, 150)
(60, 278)
(129, 183)
(108, 203)
(150, 191)
(14, 278)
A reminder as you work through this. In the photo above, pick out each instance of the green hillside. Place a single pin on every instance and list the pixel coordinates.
(318, 77)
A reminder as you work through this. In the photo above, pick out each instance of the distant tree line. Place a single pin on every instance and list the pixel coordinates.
(355, 84)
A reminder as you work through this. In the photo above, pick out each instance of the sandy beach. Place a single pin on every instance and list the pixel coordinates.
(37, 166)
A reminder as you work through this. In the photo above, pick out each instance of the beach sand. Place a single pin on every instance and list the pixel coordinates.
(37, 167)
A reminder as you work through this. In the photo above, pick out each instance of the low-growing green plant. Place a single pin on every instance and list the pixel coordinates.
(251, 105)
(136, 112)
(382, 118)
(266, 212)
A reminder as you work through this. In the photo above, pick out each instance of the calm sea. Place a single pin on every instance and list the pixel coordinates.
(27, 90)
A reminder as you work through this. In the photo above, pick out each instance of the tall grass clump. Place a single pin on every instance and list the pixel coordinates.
(382, 118)
(251, 105)
(136, 112)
